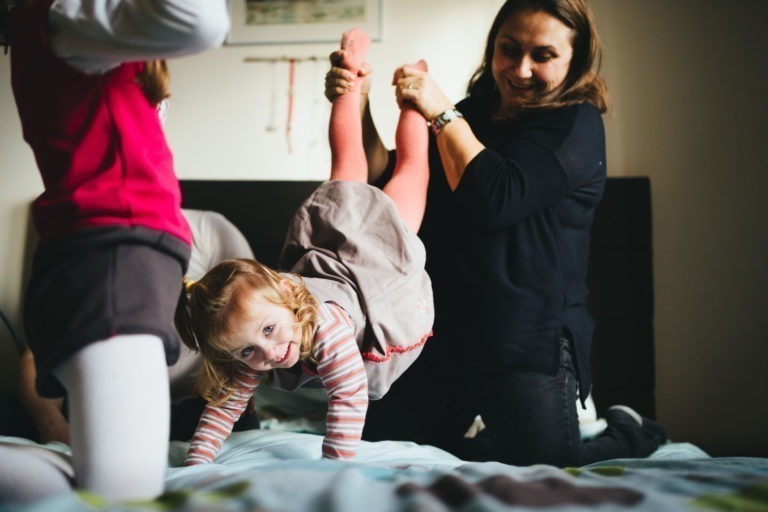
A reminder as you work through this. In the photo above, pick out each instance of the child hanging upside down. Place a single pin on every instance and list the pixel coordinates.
(355, 308)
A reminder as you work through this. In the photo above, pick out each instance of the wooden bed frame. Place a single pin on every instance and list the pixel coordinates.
(620, 272)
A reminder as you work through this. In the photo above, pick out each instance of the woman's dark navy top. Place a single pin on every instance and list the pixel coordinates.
(508, 250)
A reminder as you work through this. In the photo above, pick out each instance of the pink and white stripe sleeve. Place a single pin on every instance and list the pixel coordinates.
(216, 422)
(340, 368)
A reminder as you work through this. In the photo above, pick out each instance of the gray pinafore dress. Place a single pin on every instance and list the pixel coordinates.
(351, 247)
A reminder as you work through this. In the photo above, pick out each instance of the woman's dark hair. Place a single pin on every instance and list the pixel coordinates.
(583, 82)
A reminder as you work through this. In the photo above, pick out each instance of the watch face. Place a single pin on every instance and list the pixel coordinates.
(445, 118)
(450, 115)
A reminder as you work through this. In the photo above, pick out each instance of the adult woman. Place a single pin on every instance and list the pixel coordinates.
(88, 79)
(517, 169)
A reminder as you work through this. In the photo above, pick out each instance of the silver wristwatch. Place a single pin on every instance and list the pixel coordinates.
(439, 122)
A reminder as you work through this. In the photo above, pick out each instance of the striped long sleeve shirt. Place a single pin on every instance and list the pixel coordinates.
(339, 367)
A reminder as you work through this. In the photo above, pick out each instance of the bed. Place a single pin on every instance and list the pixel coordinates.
(278, 468)
(272, 470)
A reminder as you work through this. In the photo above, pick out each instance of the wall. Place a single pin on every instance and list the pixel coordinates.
(687, 80)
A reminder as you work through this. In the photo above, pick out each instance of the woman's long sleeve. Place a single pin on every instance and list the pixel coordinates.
(539, 163)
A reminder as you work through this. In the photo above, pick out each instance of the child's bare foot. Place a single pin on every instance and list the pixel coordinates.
(421, 65)
(355, 44)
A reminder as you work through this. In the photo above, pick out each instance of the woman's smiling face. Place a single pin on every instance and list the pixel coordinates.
(265, 336)
(532, 55)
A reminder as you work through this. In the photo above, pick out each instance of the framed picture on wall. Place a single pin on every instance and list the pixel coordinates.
(301, 21)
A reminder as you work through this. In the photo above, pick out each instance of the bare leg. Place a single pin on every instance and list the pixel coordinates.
(345, 130)
(408, 185)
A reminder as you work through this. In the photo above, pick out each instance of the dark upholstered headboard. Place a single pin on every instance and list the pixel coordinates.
(620, 272)
(261, 209)
(620, 281)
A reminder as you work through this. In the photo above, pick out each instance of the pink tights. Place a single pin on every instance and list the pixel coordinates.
(408, 185)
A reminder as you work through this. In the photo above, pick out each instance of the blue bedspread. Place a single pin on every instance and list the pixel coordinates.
(282, 471)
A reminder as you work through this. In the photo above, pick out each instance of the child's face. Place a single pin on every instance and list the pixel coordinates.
(266, 336)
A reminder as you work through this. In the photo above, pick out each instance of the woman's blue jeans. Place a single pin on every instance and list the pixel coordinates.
(530, 417)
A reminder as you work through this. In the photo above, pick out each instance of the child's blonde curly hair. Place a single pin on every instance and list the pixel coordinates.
(208, 309)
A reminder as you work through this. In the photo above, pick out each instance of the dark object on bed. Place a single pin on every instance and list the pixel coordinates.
(620, 272)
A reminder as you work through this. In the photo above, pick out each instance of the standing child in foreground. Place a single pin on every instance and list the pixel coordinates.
(356, 307)
(88, 79)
